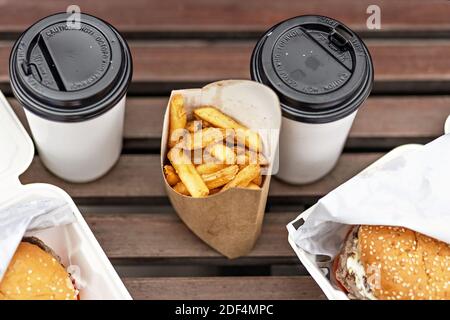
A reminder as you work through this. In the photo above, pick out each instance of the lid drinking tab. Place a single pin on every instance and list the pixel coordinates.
(70, 74)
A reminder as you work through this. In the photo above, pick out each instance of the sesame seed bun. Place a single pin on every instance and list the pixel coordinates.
(398, 264)
(393, 263)
(412, 265)
(35, 273)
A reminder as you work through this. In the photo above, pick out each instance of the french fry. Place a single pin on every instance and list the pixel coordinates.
(171, 176)
(245, 157)
(257, 157)
(221, 177)
(205, 124)
(208, 140)
(214, 191)
(187, 173)
(181, 188)
(244, 177)
(223, 153)
(215, 117)
(258, 180)
(194, 126)
(242, 160)
(202, 138)
(248, 137)
(253, 186)
(196, 156)
(177, 119)
(208, 168)
(240, 149)
(207, 157)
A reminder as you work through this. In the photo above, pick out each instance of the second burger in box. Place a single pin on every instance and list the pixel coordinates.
(218, 150)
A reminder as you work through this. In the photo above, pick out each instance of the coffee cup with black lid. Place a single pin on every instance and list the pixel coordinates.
(72, 83)
(322, 73)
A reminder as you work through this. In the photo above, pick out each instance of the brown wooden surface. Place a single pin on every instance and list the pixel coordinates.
(139, 176)
(162, 237)
(181, 44)
(224, 288)
(171, 16)
(391, 118)
(418, 65)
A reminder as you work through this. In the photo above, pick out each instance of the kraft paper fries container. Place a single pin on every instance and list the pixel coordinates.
(230, 221)
(74, 243)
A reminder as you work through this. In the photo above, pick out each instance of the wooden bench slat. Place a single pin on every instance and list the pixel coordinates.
(410, 66)
(199, 16)
(224, 288)
(402, 117)
(139, 176)
(163, 237)
(391, 119)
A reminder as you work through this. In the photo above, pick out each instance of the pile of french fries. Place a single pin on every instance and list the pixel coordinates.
(211, 153)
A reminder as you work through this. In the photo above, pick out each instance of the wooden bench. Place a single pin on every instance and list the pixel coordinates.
(178, 44)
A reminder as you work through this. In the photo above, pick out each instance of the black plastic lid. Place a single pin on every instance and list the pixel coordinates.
(64, 74)
(320, 69)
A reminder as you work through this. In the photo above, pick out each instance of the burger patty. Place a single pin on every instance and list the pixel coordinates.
(354, 281)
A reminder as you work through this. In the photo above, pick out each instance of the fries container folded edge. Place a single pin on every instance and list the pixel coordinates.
(229, 221)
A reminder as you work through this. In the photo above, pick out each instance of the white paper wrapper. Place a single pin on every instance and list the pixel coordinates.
(411, 190)
(18, 219)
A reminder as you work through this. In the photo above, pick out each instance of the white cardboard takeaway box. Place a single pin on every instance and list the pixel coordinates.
(321, 270)
(74, 243)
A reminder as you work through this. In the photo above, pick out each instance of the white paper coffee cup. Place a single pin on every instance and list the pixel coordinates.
(322, 73)
(72, 83)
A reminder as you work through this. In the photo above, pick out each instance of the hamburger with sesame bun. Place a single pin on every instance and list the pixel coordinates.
(36, 273)
(393, 263)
